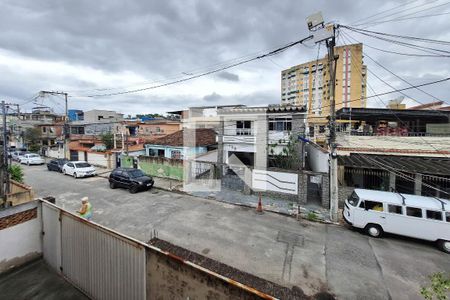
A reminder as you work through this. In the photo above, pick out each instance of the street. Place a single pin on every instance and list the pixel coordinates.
(313, 256)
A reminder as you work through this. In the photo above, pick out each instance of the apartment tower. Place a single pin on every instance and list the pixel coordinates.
(308, 84)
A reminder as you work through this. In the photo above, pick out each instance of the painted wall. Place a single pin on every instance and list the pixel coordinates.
(99, 159)
(185, 151)
(20, 242)
(317, 159)
(162, 167)
(55, 152)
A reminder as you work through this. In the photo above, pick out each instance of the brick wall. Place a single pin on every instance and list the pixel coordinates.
(18, 218)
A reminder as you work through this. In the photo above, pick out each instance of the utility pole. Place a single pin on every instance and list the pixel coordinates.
(5, 180)
(66, 132)
(322, 32)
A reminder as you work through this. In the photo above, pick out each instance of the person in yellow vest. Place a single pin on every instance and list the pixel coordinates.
(86, 209)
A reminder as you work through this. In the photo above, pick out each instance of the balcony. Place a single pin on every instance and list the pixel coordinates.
(239, 135)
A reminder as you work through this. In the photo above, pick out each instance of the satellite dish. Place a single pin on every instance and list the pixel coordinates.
(397, 101)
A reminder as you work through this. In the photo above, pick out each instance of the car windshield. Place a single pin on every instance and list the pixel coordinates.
(353, 199)
(33, 155)
(136, 173)
(82, 165)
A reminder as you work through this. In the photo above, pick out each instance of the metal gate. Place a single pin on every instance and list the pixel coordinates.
(101, 263)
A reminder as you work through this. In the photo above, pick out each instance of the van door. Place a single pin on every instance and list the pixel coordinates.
(374, 212)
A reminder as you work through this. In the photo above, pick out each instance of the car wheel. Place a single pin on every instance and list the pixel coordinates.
(112, 185)
(133, 189)
(444, 245)
(28, 163)
(48, 168)
(374, 230)
(74, 175)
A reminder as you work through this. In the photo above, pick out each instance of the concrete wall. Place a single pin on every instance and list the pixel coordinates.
(99, 159)
(162, 167)
(317, 159)
(168, 278)
(20, 235)
(55, 152)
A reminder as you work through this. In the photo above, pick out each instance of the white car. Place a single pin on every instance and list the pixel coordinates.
(78, 169)
(31, 159)
(17, 155)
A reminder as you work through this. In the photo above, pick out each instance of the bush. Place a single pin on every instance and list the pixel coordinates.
(16, 173)
(312, 216)
(440, 285)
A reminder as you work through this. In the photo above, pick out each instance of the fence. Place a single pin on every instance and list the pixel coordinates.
(162, 167)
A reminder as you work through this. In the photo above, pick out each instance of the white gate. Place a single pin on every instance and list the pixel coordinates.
(51, 235)
(102, 264)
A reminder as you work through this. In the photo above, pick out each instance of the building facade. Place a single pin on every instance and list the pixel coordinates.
(308, 84)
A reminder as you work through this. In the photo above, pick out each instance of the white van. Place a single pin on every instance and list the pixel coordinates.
(415, 216)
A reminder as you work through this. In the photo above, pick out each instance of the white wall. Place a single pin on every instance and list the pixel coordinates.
(55, 153)
(98, 159)
(280, 182)
(318, 160)
(22, 242)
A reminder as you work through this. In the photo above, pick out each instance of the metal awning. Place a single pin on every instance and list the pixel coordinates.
(411, 164)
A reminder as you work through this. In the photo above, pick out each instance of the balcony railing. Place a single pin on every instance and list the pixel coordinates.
(239, 131)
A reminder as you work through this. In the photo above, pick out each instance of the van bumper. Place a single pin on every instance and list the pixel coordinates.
(345, 219)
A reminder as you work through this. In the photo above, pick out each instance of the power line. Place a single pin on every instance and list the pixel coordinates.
(384, 11)
(409, 14)
(404, 19)
(271, 53)
(392, 73)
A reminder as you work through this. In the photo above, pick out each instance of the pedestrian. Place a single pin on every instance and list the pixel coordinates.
(86, 209)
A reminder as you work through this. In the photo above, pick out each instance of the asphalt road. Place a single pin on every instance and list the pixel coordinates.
(312, 256)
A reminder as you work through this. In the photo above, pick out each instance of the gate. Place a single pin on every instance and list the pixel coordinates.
(100, 262)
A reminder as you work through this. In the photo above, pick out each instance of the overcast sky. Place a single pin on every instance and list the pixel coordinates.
(89, 47)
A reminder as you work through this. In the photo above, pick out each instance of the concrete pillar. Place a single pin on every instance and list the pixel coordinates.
(325, 191)
(220, 150)
(392, 181)
(248, 181)
(299, 130)
(261, 142)
(418, 184)
(302, 188)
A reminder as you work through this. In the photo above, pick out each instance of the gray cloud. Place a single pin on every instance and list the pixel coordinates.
(228, 76)
(157, 40)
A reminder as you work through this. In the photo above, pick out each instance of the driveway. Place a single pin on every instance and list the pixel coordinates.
(312, 256)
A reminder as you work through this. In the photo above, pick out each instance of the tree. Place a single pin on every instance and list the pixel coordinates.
(32, 138)
(289, 157)
(16, 173)
(108, 140)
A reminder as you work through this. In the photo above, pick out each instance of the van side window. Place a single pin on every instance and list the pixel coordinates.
(414, 212)
(395, 209)
(447, 216)
(374, 205)
(434, 215)
(362, 204)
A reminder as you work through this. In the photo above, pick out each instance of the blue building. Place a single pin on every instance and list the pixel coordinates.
(75, 115)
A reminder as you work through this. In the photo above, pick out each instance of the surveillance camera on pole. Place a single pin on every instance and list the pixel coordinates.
(326, 33)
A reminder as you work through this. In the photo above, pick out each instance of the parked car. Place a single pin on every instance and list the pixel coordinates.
(31, 159)
(57, 164)
(78, 169)
(132, 179)
(17, 154)
(426, 218)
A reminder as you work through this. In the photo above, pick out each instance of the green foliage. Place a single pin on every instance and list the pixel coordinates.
(312, 216)
(108, 140)
(32, 138)
(289, 158)
(439, 288)
(16, 173)
(149, 116)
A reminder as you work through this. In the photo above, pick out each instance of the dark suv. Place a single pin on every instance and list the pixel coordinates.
(132, 179)
(56, 164)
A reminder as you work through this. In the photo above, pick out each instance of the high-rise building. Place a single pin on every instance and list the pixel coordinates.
(308, 84)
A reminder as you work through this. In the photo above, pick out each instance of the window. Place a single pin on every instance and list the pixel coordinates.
(161, 153)
(321, 129)
(374, 205)
(158, 129)
(395, 209)
(434, 215)
(70, 165)
(44, 129)
(280, 125)
(243, 127)
(175, 154)
(414, 212)
(151, 152)
(353, 199)
(447, 217)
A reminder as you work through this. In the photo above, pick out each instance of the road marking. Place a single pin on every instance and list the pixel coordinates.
(291, 240)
